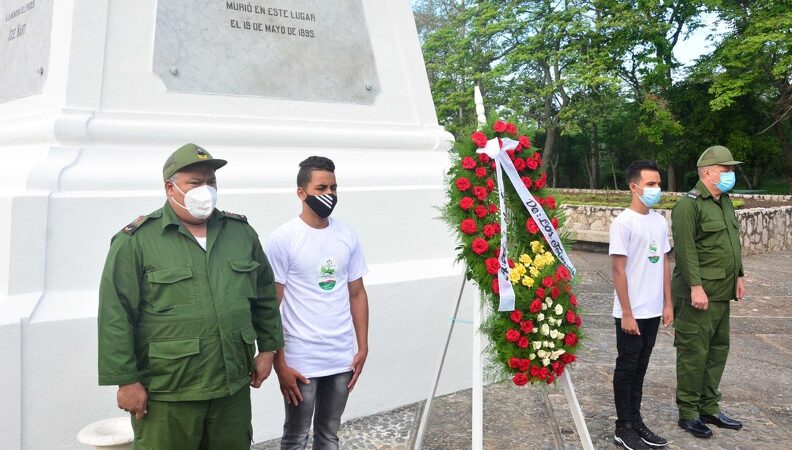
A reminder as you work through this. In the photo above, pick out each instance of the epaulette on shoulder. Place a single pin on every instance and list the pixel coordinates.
(133, 227)
(693, 194)
(235, 216)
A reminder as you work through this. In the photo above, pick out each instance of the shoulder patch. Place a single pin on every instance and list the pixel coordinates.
(694, 193)
(133, 227)
(234, 216)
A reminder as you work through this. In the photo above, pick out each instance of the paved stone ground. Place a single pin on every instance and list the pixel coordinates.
(756, 386)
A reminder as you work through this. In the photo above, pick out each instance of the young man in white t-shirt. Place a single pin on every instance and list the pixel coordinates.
(639, 249)
(319, 267)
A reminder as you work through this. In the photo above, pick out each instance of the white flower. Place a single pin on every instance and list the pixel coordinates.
(545, 344)
(537, 345)
(561, 335)
(551, 321)
(546, 361)
(554, 334)
(551, 344)
(557, 353)
(540, 317)
(532, 356)
(548, 301)
(535, 330)
(545, 329)
(559, 309)
(541, 354)
(544, 307)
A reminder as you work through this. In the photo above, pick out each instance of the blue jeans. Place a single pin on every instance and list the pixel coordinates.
(324, 400)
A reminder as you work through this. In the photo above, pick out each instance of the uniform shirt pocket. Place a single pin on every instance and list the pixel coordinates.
(174, 364)
(168, 288)
(242, 282)
(712, 273)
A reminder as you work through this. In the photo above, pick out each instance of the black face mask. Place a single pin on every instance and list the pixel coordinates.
(322, 205)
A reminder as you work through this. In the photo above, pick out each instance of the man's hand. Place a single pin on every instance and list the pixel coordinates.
(698, 298)
(668, 315)
(133, 398)
(629, 325)
(288, 378)
(357, 367)
(262, 367)
(740, 288)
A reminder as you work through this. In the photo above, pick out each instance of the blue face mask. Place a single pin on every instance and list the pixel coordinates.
(650, 196)
(726, 182)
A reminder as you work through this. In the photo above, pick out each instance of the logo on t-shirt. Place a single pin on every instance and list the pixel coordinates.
(653, 254)
(327, 271)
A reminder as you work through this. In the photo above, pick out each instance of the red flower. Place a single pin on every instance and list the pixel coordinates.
(495, 286)
(468, 226)
(516, 316)
(531, 163)
(570, 339)
(490, 185)
(480, 212)
(570, 316)
(493, 208)
(466, 203)
(579, 321)
(523, 342)
(499, 126)
(547, 282)
(531, 226)
(493, 266)
(525, 141)
(520, 379)
(573, 299)
(514, 362)
(551, 203)
(550, 378)
(497, 252)
(527, 325)
(468, 162)
(511, 263)
(480, 193)
(554, 221)
(527, 182)
(479, 246)
(511, 128)
(556, 366)
(538, 157)
(493, 165)
(483, 157)
(541, 182)
(510, 153)
(568, 358)
(512, 335)
(535, 371)
(519, 164)
(488, 230)
(543, 373)
(497, 226)
(555, 292)
(463, 184)
(479, 138)
(560, 370)
(481, 172)
(563, 272)
(540, 293)
(523, 364)
(536, 306)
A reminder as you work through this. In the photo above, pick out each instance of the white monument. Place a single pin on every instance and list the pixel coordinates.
(94, 95)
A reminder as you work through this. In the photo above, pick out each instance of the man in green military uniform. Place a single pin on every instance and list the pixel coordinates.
(185, 296)
(707, 276)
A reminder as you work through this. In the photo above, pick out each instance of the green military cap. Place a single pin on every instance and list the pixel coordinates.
(188, 155)
(717, 154)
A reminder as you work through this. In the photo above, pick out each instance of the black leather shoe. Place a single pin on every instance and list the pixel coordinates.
(721, 420)
(695, 427)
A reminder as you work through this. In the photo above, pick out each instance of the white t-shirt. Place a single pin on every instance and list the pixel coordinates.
(315, 267)
(644, 240)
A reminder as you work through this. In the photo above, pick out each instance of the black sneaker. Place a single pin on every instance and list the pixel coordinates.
(649, 437)
(627, 436)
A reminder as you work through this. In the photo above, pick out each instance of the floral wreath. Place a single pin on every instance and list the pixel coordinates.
(535, 341)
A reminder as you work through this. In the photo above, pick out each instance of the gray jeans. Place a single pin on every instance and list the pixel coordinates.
(324, 400)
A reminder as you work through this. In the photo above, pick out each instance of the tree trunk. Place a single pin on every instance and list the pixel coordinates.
(672, 182)
(613, 172)
(547, 152)
(593, 161)
(746, 177)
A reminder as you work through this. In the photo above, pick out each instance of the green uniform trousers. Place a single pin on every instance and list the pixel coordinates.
(701, 339)
(217, 424)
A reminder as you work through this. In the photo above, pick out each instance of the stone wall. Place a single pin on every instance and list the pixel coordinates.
(761, 229)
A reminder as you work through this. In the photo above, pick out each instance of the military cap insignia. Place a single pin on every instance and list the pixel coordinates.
(201, 153)
(133, 227)
(694, 193)
(239, 217)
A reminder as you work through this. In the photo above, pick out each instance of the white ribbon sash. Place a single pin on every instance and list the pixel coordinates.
(497, 151)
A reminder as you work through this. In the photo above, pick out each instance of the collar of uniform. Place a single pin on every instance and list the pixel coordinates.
(169, 217)
(702, 188)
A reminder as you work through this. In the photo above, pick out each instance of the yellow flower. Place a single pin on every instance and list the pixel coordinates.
(534, 272)
(528, 281)
(525, 259)
(549, 259)
(520, 269)
(539, 262)
(536, 247)
(514, 276)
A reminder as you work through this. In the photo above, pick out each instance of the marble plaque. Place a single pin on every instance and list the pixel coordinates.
(25, 31)
(295, 49)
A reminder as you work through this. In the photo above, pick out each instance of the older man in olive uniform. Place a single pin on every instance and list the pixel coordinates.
(185, 296)
(707, 276)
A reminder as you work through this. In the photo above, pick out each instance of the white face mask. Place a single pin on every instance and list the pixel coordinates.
(199, 202)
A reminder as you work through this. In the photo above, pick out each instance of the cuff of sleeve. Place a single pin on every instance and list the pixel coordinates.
(117, 380)
(269, 345)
